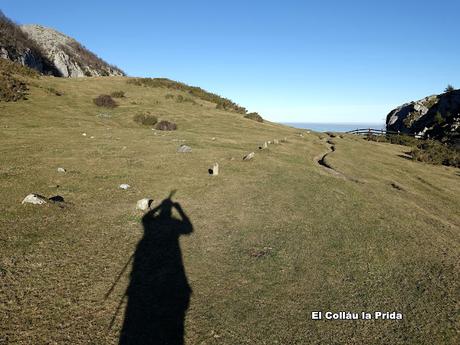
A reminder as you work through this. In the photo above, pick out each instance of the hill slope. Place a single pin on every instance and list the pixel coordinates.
(49, 51)
(273, 239)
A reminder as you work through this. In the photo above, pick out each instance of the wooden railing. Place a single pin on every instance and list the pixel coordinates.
(373, 131)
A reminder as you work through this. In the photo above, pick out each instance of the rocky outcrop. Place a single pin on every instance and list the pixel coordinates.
(69, 57)
(436, 117)
(49, 51)
(16, 46)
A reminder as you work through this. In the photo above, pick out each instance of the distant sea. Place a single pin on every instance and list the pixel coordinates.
(334, 127)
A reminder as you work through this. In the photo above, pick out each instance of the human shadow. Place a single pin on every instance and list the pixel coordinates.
(158, 292)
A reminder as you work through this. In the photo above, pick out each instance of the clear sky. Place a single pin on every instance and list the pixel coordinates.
(292, 61)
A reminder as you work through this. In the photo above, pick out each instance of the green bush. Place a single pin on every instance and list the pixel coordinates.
(166, 126)
(449, 88)
(118, 94)
(145, 119)
(12, 89)
(399, 139)
(105, 101)
(10, 67)
(254, 116)
(435, 152)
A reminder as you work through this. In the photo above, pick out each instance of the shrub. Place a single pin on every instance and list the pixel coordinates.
(449, 88)
(145, 119)
(182, 99)
(10, 67)
(254, 116)
(435, 152)
(169, 96)
(105, 101)
(118, 94)
(402, 139)
(12, 89)
(166, 126)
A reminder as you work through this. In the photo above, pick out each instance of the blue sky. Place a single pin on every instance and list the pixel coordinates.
(292, 61)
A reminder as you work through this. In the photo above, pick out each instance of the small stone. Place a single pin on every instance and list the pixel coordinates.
(184, 149)
(214, 171)
(249, 156)
(61, 170)
(213, 138)
(269, 142)
(276, 141)
(84, 134)
(124, 186)
(91, 137)
(35, 199)
(144, 204)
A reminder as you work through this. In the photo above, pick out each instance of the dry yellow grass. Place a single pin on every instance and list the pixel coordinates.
(274, 238)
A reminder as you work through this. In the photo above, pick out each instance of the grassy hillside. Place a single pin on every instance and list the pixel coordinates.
(273, 239)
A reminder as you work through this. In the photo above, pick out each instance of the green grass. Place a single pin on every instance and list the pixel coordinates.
(336, 244)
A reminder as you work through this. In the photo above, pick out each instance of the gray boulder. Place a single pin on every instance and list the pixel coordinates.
(184, 149)
(436, 117)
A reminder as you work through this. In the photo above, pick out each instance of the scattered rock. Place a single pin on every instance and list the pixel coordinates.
(269, 142)
(144, 204)
(84, 134)
(214, 171)
(249, 156)
(91, 137)
(257, 253)
(276, 141)
(124, 186)
(264, 146)
(284, 140)
(213, 138)
(35, 199)
(184, 149)
(61, 170)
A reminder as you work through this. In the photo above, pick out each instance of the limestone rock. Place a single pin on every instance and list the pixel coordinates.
(436, 117)
(35, 199)
(276, 141)
(61, 170)
(68, 57)
(214, 171)
(144, 204)
(184, 149)
(124, 186)
(249, 156)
